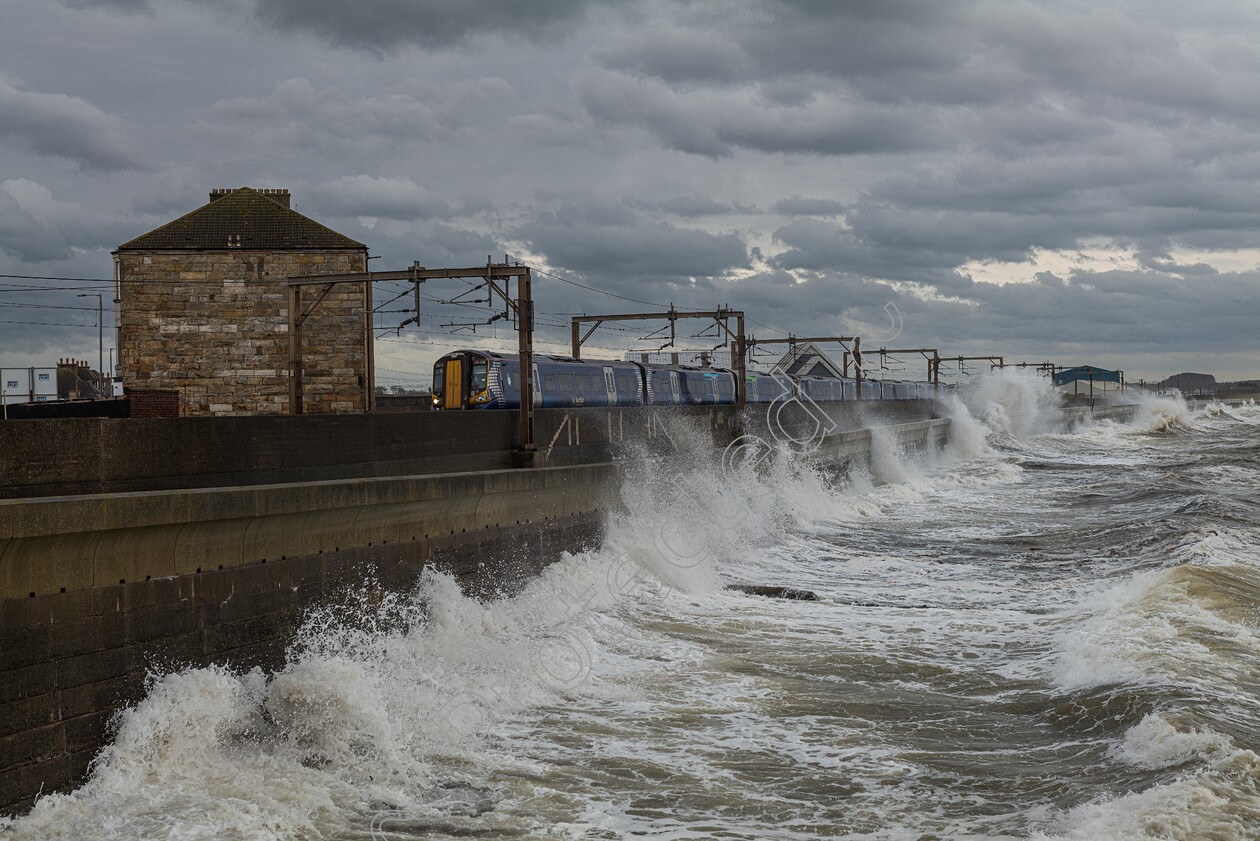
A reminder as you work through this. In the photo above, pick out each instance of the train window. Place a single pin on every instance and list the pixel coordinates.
(439, 377)
(549, 382)
(477, 383)
(566, 381)
(509, 376)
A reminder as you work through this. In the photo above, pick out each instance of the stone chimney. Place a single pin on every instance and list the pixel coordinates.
(278, 195)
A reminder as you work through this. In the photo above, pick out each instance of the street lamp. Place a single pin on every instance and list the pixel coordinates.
(100, 339)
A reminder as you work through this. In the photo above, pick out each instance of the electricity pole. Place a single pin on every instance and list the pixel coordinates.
(100, 339)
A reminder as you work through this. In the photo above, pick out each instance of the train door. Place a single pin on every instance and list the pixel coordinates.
(454, 397)
(610, 385)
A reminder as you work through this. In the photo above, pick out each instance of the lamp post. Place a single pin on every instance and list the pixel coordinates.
(100, 339)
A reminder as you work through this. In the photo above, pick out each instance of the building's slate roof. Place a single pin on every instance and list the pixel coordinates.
(808, 360)
(244, 219)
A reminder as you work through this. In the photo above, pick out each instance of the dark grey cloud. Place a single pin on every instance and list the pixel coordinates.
(433, 242)
(396, 197)
(799, 206)
(36, 227)
(686, 56)
(296, 113)
(609, 239)
(718, 123)
(120, 5)
(66, 127)
(382, 24)
(698, 206)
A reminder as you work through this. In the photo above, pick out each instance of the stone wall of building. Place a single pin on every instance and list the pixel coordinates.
(213, 325)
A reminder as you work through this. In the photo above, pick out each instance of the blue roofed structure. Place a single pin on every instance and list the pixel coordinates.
(1087, 373)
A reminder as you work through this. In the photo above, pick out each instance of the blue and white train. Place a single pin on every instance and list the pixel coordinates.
(469, 379)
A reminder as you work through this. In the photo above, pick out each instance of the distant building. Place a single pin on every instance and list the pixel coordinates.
(28, 385)
(72, 379)
(202, 308)
(808, 360)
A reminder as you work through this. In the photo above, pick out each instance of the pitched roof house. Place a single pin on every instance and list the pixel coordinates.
(202, 309)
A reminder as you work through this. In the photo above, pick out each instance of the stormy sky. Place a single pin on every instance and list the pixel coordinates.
(1072, 181)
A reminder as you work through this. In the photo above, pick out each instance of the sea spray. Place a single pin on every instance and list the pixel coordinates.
(1013, 402)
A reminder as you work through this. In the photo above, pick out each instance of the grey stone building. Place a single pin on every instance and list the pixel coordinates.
(202, 308)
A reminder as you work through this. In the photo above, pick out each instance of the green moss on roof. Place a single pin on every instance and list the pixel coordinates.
(247, 214)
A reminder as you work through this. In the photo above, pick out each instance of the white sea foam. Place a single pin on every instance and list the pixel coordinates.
(1150, 627)
(1220, 800)
(1162, 413)
(1156, 742)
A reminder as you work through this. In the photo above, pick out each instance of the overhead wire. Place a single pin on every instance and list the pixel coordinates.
(48, 323)
(28, 288)
(25, 305)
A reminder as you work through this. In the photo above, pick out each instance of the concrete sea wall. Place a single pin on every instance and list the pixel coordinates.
(163, 580)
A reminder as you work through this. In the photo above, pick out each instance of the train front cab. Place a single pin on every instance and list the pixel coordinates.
(460, 381)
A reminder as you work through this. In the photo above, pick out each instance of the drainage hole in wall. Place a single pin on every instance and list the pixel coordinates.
(122, 581)
(63, 589)
(148, 578)
(220, 566)
(32, 595)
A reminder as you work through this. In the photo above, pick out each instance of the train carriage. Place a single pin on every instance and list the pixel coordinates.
(488, 380)
(470, 379)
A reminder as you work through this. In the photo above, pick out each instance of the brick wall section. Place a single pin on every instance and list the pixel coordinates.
(96, 455)
(213, 325)
(153, 403)
(70, 661)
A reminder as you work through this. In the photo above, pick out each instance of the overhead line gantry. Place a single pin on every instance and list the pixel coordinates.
(521, 306)
(931, 354)
(794, 341)
(721, 316)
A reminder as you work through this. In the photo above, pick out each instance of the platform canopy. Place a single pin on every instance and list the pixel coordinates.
(1088, 373)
